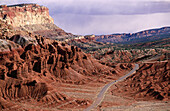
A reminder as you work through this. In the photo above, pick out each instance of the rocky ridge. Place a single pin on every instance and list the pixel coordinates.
(150, 82)
(131, 38)
(117, 53)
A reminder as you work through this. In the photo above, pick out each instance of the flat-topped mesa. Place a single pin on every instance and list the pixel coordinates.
(31, 18)
(25, 14)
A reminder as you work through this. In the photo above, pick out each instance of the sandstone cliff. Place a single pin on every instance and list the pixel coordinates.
(25, 14)
(31, 18)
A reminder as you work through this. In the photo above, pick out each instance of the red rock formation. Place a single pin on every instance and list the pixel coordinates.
(143, 36)
(151, 81)
(28, 66)
(25, 14)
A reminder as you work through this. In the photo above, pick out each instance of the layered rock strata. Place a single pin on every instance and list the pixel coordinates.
(32, 18)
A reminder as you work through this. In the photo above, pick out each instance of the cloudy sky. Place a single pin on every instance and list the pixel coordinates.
(105, 16)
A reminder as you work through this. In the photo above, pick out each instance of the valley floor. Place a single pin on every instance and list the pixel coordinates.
(110, 102)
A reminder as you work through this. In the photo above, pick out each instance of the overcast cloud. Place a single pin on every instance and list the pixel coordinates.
(105, 16)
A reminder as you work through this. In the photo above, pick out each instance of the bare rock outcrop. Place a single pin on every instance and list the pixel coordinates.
(25, 14)
(29, 65)
(150, 82)
(31, 18)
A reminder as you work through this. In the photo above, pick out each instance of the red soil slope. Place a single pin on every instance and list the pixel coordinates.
(151, 81)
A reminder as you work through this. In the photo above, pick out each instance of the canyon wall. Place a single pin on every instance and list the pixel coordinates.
(25, 14)
(31, 18)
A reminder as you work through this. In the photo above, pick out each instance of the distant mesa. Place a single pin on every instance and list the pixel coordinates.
(130, 38)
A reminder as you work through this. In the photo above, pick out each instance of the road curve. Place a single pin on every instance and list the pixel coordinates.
(101, 95)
